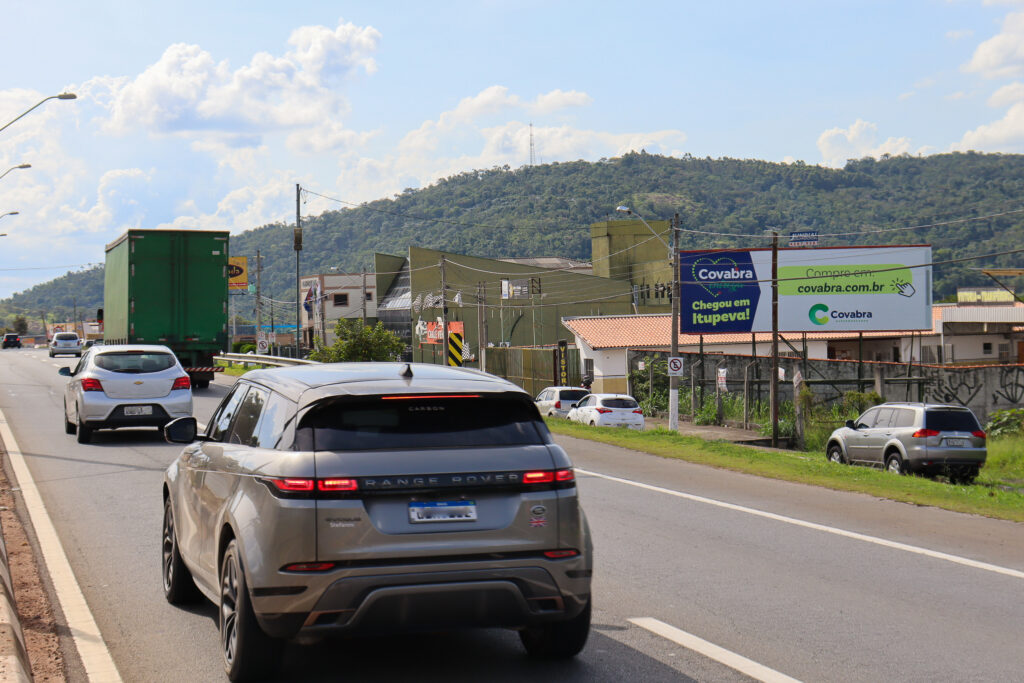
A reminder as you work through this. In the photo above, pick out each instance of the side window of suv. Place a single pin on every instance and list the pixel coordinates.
(867, 420)
(904, 417)
(883, 418)
(248, 417)
(276, 415)
(221, 421)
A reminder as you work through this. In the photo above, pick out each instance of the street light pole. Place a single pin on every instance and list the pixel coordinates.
(15, 167)
(297, 243)
(9, 213)
(62, 96)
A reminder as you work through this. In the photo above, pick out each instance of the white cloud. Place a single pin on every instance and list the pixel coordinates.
(1004, 135)
(959, 34)
(1007, 95)
(1001, 56)
(837, 145)
(958, 95)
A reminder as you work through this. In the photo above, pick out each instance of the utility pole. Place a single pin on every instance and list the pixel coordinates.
(297, 244)
(673, 381)
(773, 393)
(481, 328)
(234, 330)
(273, 332)
(364, 298)
(444, 316)
(259, 301)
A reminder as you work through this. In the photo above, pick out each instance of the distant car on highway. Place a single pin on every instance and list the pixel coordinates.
(12, 341)
(913, 437)
(554, 401)
(124, 386)
(65, 343)
(608, 410)
(355, 498)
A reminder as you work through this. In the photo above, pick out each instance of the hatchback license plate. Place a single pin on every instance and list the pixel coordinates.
(138, 410)
(443, 511)
(956, 443)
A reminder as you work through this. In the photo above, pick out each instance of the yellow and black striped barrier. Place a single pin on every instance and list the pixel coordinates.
(455, 347)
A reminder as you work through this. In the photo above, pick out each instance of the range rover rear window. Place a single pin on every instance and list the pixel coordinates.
(427, 421)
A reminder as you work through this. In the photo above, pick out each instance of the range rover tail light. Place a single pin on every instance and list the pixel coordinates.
(308, 567)
(293, 485)
(560, 554)
(337, 484)
(548, 476)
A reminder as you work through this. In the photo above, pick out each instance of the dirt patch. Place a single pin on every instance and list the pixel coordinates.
(33, 603)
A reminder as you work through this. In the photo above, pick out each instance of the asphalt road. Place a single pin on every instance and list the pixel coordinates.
(811, 584)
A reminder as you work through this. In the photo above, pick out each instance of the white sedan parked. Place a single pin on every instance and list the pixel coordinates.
(608, 410)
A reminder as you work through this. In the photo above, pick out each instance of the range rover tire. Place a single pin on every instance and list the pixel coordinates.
(560, 639)
(179, 588)
(249, 653)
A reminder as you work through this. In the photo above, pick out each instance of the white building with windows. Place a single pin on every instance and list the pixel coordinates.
(327, 297)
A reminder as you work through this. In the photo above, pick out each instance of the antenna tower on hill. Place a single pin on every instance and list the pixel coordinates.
(533, 158)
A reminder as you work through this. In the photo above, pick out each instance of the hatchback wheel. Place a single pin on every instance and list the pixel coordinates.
(894, 463)
(69, 426)
(558, 640)
(179, 588)
(835, 454)
(84, 433)
(248, 652)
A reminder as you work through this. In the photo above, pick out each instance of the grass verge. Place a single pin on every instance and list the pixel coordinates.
(237, 369)
(988, 497)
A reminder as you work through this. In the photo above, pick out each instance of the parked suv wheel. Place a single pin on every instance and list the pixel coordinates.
(894, 463)
(835, 454)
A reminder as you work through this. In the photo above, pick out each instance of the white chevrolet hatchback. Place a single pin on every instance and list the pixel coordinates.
(608, 410)
(124, 386)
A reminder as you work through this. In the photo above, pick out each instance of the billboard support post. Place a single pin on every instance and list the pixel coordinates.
(673, 381)
(773, 396)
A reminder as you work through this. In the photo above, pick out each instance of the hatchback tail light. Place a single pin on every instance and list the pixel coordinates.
(924, 433)
(638, 411)
(978, 433)
(558, 405)
(182, 383)
(90, 384)
(604, 410)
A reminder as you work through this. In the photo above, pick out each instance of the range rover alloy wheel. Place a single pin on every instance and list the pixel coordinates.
(248, 652)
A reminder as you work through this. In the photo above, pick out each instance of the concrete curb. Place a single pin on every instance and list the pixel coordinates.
(14, 663)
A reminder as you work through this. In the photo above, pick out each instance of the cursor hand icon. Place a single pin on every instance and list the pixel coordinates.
(904, 288)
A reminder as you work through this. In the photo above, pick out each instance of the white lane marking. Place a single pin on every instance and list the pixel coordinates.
(967, 562)
(99, 665)
(732, 660)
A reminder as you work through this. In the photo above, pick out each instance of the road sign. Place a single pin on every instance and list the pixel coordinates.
(675, 366)
(262, 346)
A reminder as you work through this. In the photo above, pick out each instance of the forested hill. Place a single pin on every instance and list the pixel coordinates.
(545, 211)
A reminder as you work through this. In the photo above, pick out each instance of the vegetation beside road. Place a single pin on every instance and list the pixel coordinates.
(998, 492)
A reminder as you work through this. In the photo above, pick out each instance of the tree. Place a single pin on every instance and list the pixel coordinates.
(20, 324)
(358, 342)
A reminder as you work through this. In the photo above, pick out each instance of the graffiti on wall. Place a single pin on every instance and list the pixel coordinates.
(957, 386)
(1011, 383)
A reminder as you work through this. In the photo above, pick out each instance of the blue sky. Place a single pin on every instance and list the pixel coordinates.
(206, 114)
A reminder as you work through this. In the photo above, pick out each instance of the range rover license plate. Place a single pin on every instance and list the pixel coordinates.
(138, 410)
(442, 511)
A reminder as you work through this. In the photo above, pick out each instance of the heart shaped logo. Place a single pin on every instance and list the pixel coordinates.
(713, 289)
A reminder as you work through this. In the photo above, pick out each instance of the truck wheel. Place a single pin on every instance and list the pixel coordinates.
(202, 383)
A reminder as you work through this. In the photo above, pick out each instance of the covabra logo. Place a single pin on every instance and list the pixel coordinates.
(818, 314)
(714, 275)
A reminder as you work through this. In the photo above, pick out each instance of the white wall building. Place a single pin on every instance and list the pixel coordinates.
(336, 295)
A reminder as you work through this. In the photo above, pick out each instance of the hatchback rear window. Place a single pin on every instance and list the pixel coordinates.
(619, 403)
(951, 421)
(134, 361)
(66, 336)
(413, 422)
(572, 394)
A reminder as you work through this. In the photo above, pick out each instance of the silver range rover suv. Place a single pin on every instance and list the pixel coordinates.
(375, 497)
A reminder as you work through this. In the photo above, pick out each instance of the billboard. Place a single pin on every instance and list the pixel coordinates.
(840, 289)
(238, 272)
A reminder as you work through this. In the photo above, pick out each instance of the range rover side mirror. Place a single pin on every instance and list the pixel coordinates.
(182, 430)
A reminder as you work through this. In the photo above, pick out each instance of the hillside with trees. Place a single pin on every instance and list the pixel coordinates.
(545, 211)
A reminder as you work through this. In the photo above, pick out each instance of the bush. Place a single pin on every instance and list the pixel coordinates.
(1006, 423)
(859, 401)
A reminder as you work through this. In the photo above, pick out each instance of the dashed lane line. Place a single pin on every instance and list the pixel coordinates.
(956, 559)
(99, 665)
(732, 660)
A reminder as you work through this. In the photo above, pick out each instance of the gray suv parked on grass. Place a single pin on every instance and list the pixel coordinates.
(366, 497)
(913, 437)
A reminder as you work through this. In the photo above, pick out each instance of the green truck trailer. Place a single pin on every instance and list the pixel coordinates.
(169, 287)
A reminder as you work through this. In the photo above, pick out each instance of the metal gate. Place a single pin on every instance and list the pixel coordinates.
(531, 368)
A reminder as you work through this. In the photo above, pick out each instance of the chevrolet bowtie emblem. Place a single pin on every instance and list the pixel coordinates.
(138, 381)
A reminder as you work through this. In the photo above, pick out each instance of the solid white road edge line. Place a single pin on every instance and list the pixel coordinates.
(967, 562)
(719, 654)
(99, 665)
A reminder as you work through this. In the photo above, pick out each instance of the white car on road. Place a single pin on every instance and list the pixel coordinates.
(65, 342)
(608, 410)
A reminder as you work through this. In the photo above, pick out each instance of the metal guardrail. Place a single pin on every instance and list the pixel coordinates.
(276, 361)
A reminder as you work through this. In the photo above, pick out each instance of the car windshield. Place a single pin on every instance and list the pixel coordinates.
(951, 421)
(134, 361)
(619, 403)
(572, 394)
(66, 336)
(416, 422)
